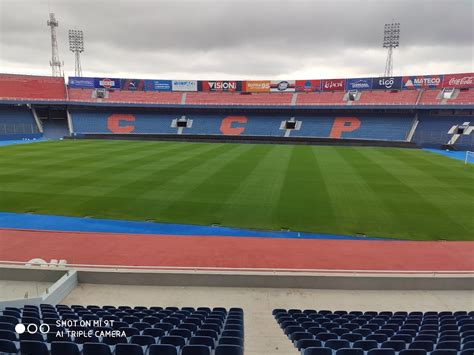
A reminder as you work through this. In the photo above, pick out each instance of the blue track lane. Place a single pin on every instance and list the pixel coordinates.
(75, 224)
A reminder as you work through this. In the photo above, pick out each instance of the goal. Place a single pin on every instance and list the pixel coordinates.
(469, 158)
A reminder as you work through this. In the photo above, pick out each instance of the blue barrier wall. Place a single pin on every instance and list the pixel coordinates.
(366, 126)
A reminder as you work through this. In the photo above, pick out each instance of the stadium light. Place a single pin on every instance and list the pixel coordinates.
(54, 63)
(391, 40)
(76, 45)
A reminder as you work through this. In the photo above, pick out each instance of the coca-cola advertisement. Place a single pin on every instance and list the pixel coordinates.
(459, 81)
(334, 85)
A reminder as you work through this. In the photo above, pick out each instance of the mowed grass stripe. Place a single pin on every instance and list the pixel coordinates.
(417, 216)
(376, 191)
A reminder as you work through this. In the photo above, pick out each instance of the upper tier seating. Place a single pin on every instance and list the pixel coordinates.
(325, 332)
(214, 98)
(124, 330)
(21, 87)
(143, 97)
(321, 98)
(382, 97)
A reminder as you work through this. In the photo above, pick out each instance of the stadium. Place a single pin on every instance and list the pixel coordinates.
(148, 216)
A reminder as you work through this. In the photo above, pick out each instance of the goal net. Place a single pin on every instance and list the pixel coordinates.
(469, 158)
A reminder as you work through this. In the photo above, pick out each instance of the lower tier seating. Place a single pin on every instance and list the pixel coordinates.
(107, 330)
(324, 332)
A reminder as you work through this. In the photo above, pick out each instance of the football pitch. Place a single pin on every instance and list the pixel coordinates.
(383, 192)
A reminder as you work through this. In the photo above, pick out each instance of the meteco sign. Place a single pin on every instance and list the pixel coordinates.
(334, 85)
(387, 83)
(221, 86)
(459, 80)
(417, 82)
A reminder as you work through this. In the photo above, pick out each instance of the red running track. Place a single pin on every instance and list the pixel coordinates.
(234, 252)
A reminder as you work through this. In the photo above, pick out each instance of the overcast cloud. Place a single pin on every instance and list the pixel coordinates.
(239, 39)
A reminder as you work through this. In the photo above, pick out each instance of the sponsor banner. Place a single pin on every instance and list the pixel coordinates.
(334, 84)
(359, 84)
(282, 86)
(80, 82)
(387, 83)
(308, 85)
(184, 85)
(256, 86)
(221, 85)
(133, 84)
(459, 80)
(158, 85)
(107, 83)
(422, 81)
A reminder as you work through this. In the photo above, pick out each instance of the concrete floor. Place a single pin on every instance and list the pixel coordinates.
(262, 334)
(10, 290)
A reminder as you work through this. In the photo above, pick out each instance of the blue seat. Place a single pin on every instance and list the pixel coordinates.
(33, 347)
(96, 349)
(379, 338)
(9, 319)
(444, 352)
(366, 344)
(396, 345)
(196, 350)
(8, 346)
(207, 333)
(173, 340)
(317, 351)
(468, 345)
(154, 332)
(165, 326)
(128, 349)
(162, 349)
(7, 326)
(64, 348)
(422, 344)
(350, 351)
(9, 335)
(232, 333)
(454, 345)
(337, 344)
(351, 337)
(228, 349)
(142, 340)
(326, 336)
(231, 341)
(381, 351)
(130, 331)
(202, 340)
(413, 352)
(300, 335)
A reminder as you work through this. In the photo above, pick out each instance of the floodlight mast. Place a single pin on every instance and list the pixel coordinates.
(54, 63)
(76, 45)
(391, 40)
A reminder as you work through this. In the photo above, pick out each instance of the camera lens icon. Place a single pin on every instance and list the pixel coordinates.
(20, 328)
(32, 328)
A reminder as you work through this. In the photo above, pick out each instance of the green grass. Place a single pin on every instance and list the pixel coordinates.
(401, 193)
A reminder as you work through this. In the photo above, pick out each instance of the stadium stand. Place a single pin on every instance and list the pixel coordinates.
(202, 98)
(430, 97)
(320, 98)
(125, 96)
(29, 87)
(381, 97)
(368, 126)
(123, 330)
(375, 333)
(17, 123)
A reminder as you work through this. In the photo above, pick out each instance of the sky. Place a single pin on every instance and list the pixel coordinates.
(239, 39)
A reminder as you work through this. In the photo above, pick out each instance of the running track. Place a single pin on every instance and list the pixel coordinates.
(234, 252)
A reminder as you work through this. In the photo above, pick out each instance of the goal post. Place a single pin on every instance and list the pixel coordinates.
(469, 157)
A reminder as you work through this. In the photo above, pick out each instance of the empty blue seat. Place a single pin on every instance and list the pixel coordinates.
(413, 352)
(366, 344)
(425, 345)
(162, 349)
(337, 344)
(143, 340)
(8, 334)
(173, 340)
(378, 337)
(381, 351)
(350, 351)
(202, 340)
(9, 319)
(130, 331)
(33, 347)
(351, 337)
(228, 349)
(326, 336)
(128, 349)
(317, 351)
(454, 345)
(468, 345)
(96, 349)
(444, 352)
(7, 326)
(196, 350)
(64, 348)
(396, 345)
(7, 346)
(231, 341)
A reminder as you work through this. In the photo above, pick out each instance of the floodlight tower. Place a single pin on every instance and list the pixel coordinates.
(76, 45)
(54, 63)
(391, 40)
